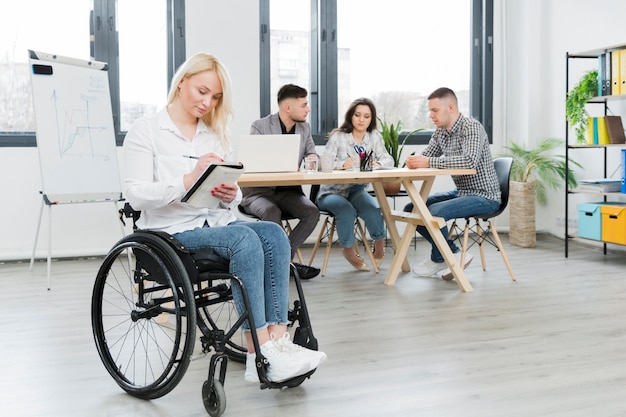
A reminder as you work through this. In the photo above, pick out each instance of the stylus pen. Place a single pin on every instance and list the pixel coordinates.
(190, 156)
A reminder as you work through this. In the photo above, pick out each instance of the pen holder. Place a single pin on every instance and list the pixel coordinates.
(366, 162)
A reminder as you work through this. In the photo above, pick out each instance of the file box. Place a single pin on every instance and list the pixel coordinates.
(613, 223)
(590, 220)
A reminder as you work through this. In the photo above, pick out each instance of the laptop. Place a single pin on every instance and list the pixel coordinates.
(269, 153)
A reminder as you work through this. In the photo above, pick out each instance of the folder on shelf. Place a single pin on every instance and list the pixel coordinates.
(603, 185)
(603, 134)
(592, 130)
(604, 74)
(597, 130)
(601, 72)
(607, 75)
(615, 73)
(615, 129)
(622, 74)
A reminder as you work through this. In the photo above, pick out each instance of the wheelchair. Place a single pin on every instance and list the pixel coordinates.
(149, 296)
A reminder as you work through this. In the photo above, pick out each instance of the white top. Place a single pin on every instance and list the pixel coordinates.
(154, 166)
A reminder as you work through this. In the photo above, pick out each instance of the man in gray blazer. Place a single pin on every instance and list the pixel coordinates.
(271, 203)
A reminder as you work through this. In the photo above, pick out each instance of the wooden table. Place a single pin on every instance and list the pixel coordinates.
(420, 215)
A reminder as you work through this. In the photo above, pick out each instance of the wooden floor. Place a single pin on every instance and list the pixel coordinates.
(551, 344)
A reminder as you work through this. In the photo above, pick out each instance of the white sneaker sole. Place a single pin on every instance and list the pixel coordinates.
(447, 273)
(431, 273)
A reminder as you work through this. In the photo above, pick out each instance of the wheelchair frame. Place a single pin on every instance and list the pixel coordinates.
(149, 295)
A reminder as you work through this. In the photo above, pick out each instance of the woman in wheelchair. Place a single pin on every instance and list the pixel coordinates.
(164, 155)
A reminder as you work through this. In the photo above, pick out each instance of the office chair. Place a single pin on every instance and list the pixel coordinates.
(328, 230)
(480, 233)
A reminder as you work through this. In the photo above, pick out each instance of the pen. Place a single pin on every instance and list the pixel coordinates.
(190, 156)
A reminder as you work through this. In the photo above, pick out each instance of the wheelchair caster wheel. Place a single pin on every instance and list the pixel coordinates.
(214, 397)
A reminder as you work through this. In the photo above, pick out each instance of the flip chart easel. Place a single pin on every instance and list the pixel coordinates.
(46, 202)
(75, 134)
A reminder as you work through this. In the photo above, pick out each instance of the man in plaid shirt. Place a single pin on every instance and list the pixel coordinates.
(458, 142)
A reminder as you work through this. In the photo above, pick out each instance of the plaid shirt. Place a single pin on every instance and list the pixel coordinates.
(465, 146)
(341, 146)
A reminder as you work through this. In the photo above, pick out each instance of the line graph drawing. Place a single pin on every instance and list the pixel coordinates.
(78, 134)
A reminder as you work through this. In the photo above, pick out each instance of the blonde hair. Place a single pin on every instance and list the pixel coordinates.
(218, 118)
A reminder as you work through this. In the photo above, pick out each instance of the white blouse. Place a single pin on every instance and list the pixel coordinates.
(154, 166)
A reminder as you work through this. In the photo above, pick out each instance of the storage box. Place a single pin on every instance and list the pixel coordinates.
(613, 223)
(590, 220)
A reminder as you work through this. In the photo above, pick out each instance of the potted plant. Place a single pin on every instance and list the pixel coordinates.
(533, 172)
(575, 111)
(394, 146)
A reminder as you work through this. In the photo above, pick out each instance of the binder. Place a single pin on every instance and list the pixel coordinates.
(616, 81)
(607, 74)
(603, 134)
(622, 65)
(595, 130)
(623, 187)
(615, 129)
(601, 74)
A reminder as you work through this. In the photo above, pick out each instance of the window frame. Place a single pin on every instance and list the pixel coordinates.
(105, 49)
(323, 97)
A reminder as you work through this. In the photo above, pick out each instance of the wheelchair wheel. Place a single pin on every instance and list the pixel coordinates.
(217, 312)
(214, 397)
(143, 316)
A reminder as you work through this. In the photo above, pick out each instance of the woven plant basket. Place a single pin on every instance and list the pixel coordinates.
(522, 214)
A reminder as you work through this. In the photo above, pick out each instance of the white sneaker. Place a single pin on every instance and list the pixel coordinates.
(428, 268)
(315, 357)
(283, 364)
(251, 374)
(446, 274)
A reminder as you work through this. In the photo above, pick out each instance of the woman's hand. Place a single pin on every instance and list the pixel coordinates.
(203, 162)
(225, 192)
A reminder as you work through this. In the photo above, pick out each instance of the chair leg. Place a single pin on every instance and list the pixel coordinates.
(329, 245)
(494, 232)
(466, 231)
(366, 245)
(318, 241)
(480, 239)
(451, 230)
(287, 228)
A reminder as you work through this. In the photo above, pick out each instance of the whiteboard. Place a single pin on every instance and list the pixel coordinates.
(75, 134)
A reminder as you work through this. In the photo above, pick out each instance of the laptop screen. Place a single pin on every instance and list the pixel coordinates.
(269, 153)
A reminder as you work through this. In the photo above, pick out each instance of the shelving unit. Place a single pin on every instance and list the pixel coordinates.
(601, 100)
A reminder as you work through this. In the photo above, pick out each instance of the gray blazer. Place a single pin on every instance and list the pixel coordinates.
(270, 125)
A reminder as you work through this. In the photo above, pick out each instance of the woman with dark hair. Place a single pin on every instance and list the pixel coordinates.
(356, 136)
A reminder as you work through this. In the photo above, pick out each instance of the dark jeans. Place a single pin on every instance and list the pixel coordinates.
(450, 206)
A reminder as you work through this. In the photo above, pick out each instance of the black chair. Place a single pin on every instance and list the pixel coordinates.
(328, 230)
(479, 233)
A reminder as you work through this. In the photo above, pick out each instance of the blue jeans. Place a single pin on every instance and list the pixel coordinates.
(450, 206)
(248, 245)
(359, 203)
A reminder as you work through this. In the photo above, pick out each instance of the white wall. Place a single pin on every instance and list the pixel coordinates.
(530, 41)
(536, 36)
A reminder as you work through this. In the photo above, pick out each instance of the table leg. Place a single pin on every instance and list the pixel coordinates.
(400, 247)
(419, 207)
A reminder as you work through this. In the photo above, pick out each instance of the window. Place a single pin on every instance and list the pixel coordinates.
(140, 64)
(29, 26)
(291, 46)
(396, 55)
